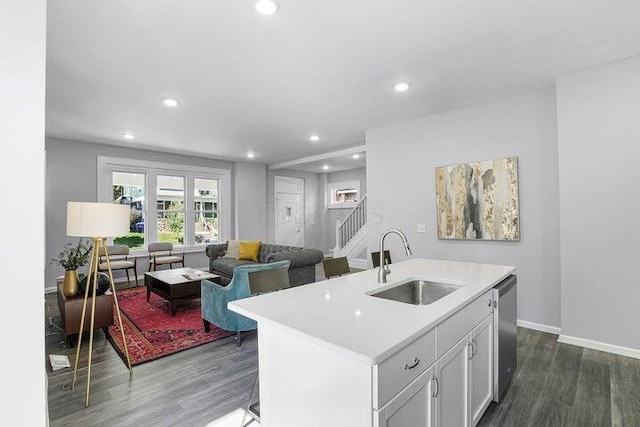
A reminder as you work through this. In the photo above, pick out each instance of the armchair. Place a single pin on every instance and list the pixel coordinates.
(163, 253)
(119, 260)
(247, 280)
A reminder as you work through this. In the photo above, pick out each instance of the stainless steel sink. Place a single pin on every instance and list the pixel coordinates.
(417, 292)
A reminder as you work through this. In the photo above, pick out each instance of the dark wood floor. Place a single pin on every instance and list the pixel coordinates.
(563, 385)
(554, 385)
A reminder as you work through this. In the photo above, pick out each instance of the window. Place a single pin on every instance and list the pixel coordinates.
(343, 194)
(127, 188)
(170, 209)
(206, 210)
(162, 196)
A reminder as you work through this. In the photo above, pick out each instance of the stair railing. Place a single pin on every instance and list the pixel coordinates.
(348, 228)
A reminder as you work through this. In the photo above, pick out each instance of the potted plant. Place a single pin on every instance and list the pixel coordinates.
(71, 258)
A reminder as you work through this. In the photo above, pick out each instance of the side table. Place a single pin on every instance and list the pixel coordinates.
(71, 311)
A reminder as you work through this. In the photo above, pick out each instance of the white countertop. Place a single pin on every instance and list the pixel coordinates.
(338, 313)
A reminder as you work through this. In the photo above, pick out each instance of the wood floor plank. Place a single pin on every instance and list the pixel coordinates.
(593, 394)
(562, 379)
(559, 391)
(526, 341)
(625, 392)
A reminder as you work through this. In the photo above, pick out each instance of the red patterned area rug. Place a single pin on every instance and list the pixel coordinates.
(150, 330)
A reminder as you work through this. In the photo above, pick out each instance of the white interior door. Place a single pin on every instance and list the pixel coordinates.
(289, 211)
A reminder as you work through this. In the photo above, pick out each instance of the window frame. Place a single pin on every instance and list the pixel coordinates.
(151, 169)
(332, 187)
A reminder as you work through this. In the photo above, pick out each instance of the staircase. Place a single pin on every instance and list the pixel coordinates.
(351, 236)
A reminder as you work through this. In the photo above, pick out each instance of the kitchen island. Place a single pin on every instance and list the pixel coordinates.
(331, 354)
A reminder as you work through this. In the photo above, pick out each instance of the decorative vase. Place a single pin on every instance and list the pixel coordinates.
(70, 286)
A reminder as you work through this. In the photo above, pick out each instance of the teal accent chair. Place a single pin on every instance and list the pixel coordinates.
(248, 280)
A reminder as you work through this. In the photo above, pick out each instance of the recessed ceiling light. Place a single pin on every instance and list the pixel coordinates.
(170, 102)
(356, 156)
(251, 155)
(314, 138)
(325, 167)
(401, 87)
(267, 7)
(128, 135)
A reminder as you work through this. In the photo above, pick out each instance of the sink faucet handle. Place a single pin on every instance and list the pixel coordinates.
(386, 267)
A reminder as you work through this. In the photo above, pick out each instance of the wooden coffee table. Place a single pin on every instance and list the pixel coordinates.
(177, 284)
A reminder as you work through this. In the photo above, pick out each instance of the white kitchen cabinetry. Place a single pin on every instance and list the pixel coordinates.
(460, 381)
(400, 369)
(464, 378)
(481, 369)
(411, 407)
(452, 387)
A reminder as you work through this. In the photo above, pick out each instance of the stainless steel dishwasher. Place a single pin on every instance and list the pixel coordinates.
(504, 335)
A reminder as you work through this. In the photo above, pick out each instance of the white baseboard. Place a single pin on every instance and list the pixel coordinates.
(600, 346)
(581, 342)
(538, 327)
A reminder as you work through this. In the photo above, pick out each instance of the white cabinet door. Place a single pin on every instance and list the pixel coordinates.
(451, 387)
(481, 369)
(412, 407)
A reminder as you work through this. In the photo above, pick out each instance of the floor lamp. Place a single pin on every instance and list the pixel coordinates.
(98, 221)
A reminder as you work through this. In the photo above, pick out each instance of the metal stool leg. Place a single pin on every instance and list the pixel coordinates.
(251, 411)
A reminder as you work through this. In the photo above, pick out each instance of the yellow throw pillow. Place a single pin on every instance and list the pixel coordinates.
(249, 250)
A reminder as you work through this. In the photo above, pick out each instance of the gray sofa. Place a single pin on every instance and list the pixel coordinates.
(301, 271)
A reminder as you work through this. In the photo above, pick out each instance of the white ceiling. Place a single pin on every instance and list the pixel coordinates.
(250, 82)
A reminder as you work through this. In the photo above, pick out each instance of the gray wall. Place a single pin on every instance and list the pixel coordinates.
(599, 146)
(333, 215)
(250, 201)
(71, 175)
(22, 126)
(313, 208)
(400, 178)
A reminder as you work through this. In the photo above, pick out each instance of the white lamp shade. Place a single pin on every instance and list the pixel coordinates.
(86, 219)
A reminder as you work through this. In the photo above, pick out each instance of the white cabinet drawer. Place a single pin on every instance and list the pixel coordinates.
(398, 370)
(453, 329)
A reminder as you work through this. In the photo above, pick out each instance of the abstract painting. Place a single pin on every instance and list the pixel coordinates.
(478, 200)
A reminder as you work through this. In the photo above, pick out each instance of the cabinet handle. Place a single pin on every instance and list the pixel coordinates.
(416, 362)
(437, 390)
(474, 346)
(490, 303)
(470, 345)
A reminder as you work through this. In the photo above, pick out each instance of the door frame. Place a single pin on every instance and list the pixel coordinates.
(293, 180)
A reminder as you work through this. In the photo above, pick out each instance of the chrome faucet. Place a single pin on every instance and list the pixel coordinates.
(384, 267)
